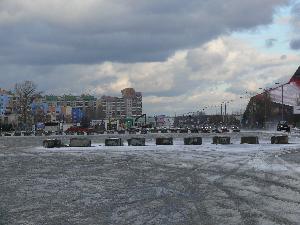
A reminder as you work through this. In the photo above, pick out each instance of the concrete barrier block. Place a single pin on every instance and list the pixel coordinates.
(164, 141)
(52, 143)
(80, 142)
(113, 142)
(284, 139)
(193, 141)
(221, 140)
(249, 140)
(136, 142)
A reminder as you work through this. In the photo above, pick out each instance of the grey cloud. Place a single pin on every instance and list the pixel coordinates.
(41, 33)
(283, 57)
(178, 84)
(295, 44)
(295, 21)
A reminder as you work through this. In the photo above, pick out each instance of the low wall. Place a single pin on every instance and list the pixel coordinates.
(33, 141)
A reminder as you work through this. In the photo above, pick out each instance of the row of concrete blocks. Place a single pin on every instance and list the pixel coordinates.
(85, 142)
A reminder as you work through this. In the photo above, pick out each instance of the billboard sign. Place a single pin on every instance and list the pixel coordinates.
(296, 109)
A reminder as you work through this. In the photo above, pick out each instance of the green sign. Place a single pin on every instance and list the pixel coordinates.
(129, 122)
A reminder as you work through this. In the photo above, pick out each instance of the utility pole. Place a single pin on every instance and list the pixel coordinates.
(225, 111)
(266, 96)
(221, 110)
(222, 113)
(282, 102)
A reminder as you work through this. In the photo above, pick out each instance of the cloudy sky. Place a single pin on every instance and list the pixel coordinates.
(183, 55)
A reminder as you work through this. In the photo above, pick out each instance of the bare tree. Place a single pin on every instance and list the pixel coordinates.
(25, 93)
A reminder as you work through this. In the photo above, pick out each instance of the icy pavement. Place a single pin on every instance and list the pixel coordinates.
(167, 185)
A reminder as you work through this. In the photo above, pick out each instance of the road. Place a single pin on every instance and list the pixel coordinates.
(208, 184)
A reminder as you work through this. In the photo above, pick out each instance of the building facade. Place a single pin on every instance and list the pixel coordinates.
(4, 102)
(8, 113)
(71, 108)
(66, 108)
(275, 104)
(129, 105)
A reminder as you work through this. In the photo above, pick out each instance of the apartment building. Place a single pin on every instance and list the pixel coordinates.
(69, 108)
(129, 105)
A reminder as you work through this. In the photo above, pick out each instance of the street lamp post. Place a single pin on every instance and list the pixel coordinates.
(221, 109)
(282, 102)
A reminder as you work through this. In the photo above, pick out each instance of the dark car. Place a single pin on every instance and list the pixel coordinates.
(184, 130)
(205, 129)
(235, 129)
(144, 131)
(216, 130)
(283, 125)
(194, 130)
(132, 130)
(154, 130)
(164, 130)
(224, 129)
(122, 131)
(110, 131)
(173, 130)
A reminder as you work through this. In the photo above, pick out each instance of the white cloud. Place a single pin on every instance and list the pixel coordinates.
(180, 55)
(221, 70)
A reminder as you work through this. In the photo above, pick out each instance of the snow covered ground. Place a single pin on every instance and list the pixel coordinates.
(207, 184)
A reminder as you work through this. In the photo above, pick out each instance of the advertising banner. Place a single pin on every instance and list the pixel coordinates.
(297, 109)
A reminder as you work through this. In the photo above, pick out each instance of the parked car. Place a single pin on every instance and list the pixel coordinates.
(283, 125)
(110, 131)
(174, 130)
(194, 130)
(216, 130)
(48, 133)
(205, 129)
(132, 130)
(224, 129)
(164, 130)
(235, 128)
(17, 133)
(154, 130)
(121, 131)
(144, 131)
(184, 130)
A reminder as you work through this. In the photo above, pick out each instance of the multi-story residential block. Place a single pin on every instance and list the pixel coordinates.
(129, 105)
(8, 113)
(4, 101)
(82, 101)
(71, 108)
(74, 109)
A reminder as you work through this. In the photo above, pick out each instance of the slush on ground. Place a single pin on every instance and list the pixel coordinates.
(206, 184)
